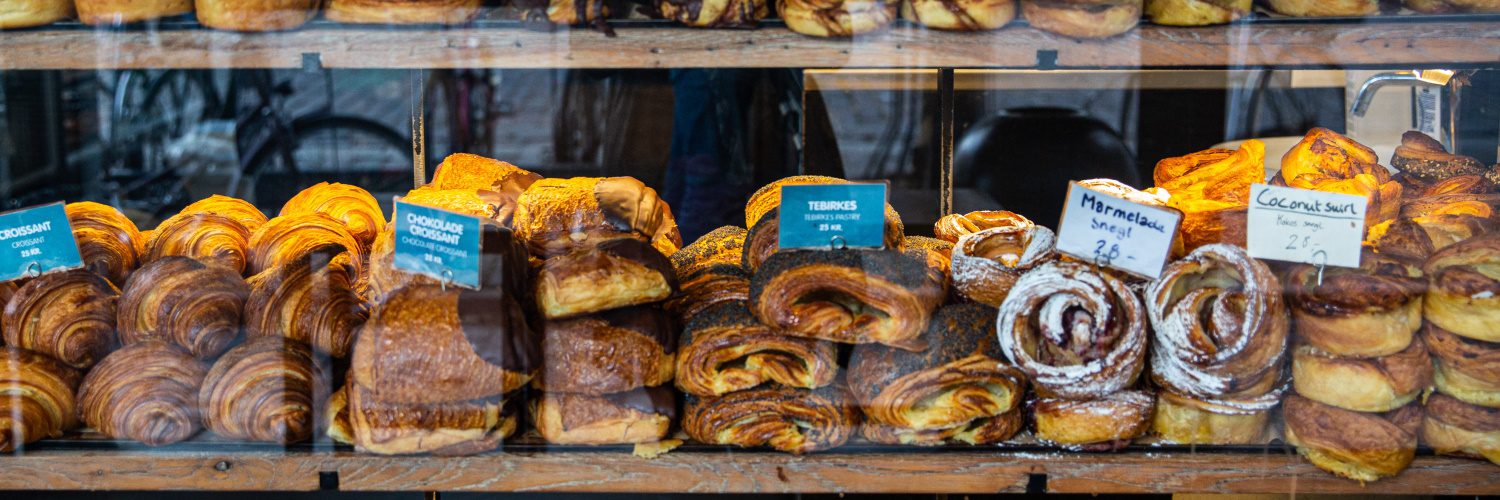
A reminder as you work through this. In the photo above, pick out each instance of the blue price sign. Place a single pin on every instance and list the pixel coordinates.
(832, 216)
(437, 243)
(35, 241)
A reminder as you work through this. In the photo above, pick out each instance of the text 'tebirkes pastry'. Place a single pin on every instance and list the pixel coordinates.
(108, 242)
(643, 415)
(1464, 293)
(725, 349)
(1083, 18)
(558, 215)
(265, 390)
(183, 301)
(36, 398)
(1355, 445)
(1373, 310)
(763, 218)
(848, 296)
(146, 391)
(609, 274)
(795, 421)
(352, 205)
(69, 316)
(613, 351)
(986, 263)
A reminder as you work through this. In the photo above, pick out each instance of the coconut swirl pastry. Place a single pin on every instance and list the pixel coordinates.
(1465, 368)
(1464, 295)
(708, 272)
(36, 398)
(1369, 311)
(69, 316)
(1220, 345)
(762, 217)
(715, 13)
(310, 301)
(847, 296)
(556, 216)
(1362, 384)
(146, 391)
(795, 421)
(1453, 427)
(725, 349)
(643, 415)
(213, 239)
(264, 390)
(1327, 161)
(109, 243)
(352, 205)
(1355, 445)
(182, 301)
(987, 262)
(287, 238)
(836, 18)
(609, 352)
(959, 15)
(957, 390)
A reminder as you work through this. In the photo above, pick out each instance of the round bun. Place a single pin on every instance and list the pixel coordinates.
(1355, 445)
(959, 15)
(1453, 427)
(1367, 385)
(1371, 311)
(1106, 423)
(1083, 18)
(1181, 419)
(1325, 8)
(255, 15)
(402, 11)
(129, 11)
(836, 18)
(1196, 12)
(29, 13)
(1465, 369)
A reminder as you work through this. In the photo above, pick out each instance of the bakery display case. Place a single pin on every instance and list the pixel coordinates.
(742, 246)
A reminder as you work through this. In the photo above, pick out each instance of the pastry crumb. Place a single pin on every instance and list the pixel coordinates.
(652, 450)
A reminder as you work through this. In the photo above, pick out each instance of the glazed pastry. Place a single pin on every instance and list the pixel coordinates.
(559, 215)
(146, 391)
(988, 262)
(69, 316)
(1212, 190)
(1466, 369)
(1083, 18)
(272, 15)
(1327, 161)
(288, 238)
(355, 417)
(182, 301)
(116, 12)
(708, 272)
(958, 383)
(497, 182)
(496, 243)
(1196, 12)
(609, 352)
(310, 301)
(1360, 446)
(1423, 159)
(848, 296)
(1449, 6)
(951, 227)
(402, 11)
(109, 243)
(1464, 295)
(265, 390)
(725, 349)
(613, 274)
(36, 398)
(795, 421)
(212, 239)
(31, 13)
(1367, 385)
(836, 18)
(970, 15)
(638, 416)
(1107, 423)
(239, 210)
(353, 206)
(762, 216)
(1414, 239)
(1325, 8)
(1373, 310)
(715, 13)
(1453, 427)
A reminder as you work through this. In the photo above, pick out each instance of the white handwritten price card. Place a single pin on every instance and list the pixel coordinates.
(1300, 225)
(1112, 232)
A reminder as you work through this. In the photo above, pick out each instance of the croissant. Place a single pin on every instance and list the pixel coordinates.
(643, 415)
(1465, 368)
(265, 390)
(1453, 427)
(310, 301)
(725, 349)
(36, 398)
(109, 243)
(1106, 423)
(352, 205)
(987, 263)
(960, 382)
(1464, 294)
(1328, 161)
(146, 391)
(1372, 310)
(241, 211)
(558, 215)
(1360, 446)
(182, 301)
(287, 238)
(212, 239)
(1212, 189)
(69, 316)
(499, 182)
(608, 275)
(849, 296)
(1362, 384)
(795, 421)
(356, 417)
(610, 352)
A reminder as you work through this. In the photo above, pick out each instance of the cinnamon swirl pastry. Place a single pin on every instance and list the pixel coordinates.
(352, 205)
(1368, 385)
(1196, 12)
(951, 227)
(609, 352)
(265, 390)
(987, 263)
(607, 275)
(1453, 427)
(146, 391)
(69, 316)
(36, 398)
(642, 415)
(240, 210)
(453, 428)
(959, 15)
(1106, 423)
(715, 13)
(725, 349)
(795, 421)
(212, 239)
(108, 242)
(287, 238)
(836, 18)
(848, 296)
(1327, 161)
(182, 301)
(310, 301)
(1466, 369)
(556, 216)
(402, 11)
(958, 383)
(1350, 444)
(1083, 18)
(1373, 310)
(1464, 294)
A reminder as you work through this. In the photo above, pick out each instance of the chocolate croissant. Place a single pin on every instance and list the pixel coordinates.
(241, 211)
(849, 296)
(69, 316)
(109, 243)
(1462, 298)
(1372, 310)
(310, 300)
(608, 352)
(642, 415)
(608, 275)
(287, 238)
(1465, 368)
(146, 391)
(1360, 446)
(959, 383)
(36, 398)
(212, 239)
(795, 421)
(355, 416)
(500, 183)
(264, 390)
(725, 349)
(987, 262)
(185, 302)
(559, 215)
(1453, 427)
(352, 205)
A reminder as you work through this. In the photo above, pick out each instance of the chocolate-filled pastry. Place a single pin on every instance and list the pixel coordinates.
(146, 391)
(848, 296)
(402, 11)
(762, 216)
(116, 12)
(240, 210)
(212, 239)
(36, 398)
(352, 205)
(1423, 159)
(1354, 445)
(1327, 161)
(69, 316)
(715, 13)
(498, 183)
(642, 415)
(959, 382)
(987, 263)
(264, 390)
(795, 421)
(354, 416)
(1197, 12)
(836, 18)
(559, 215)
(1325, 8)
(288, 238)
(1107, 423)
(1076, 332)
(1463, 296)
(1451, 6)
(1362, 384)
(310, 301)
(262, 15)
(608, 352)
(725, 349)
(613, 274)
(32, 13)
(1453, 427)
(185, 302)
(108, 242)
(1372, 310)
(1083, 18)
(1466, 369)
(498, 246)
(967, 15)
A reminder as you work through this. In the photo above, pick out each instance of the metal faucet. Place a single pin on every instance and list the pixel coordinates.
(1438, 78)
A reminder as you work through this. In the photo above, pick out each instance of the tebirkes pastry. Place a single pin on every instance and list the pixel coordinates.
(402, 11)
(212, 239)
(1463, 296)
(1083, 18)
(1219, 348)
(795, 421)
(613, 351)
(725, 349)
(1453, 427)
(715, 13)
(959, 389)
(762, 217)
(643, 415)
(1325, 8)
(959, 15)
(1196, 12)
(352, 205)
(104, 12)
(309, 301)
(239, 210)
(1355, 445)
(260, 15)
(498, 182)
(1212, 190)
(1449, 6)
(454, 428)
(109, 243)
(987, 262)
(1466, 369)
(146, 391)
(1369, 311)
(1424, 161)
(36, 398)
(709, 272)
(288, 238)
(1362, 384)
(265, 390)
(183, 301)
(606, 275)
(559, 215)
(1326, 161)
(30, 13)
(836, 18)
(847, 296)
(1106, 423)
(938, 255)
(69, 316)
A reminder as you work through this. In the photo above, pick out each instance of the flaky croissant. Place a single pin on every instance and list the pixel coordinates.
(352, 205)
(288, 238)
(850, 296)
(212, 239)
(146, 391)
(234, 208)
(110, 244)
(795, 421)
(69, 316)
(310, 300)
(36, 398)
(185, 302)
(1327, 161)
(725, 349)
(264, 390)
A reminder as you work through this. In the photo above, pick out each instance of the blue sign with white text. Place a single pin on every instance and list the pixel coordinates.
(437, 243)
(823, 216)
(36, 241)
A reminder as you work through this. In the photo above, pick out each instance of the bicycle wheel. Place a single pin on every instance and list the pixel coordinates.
(332, 148)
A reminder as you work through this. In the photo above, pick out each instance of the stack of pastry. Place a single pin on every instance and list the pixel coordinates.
(1327, 161)
(1463, 333)
(991, 250)
(1212, 190)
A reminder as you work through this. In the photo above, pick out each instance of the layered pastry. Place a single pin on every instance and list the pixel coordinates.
(639, 416)
(762, 216)
(1106, 423)
(495, 242)
(240, 210)
(937, 254)
(1083, 18)
(708, 272)
(1369, 311)
(355, 417)
(309, 301)
(288, 238)
(185, 302)
(1414, 239)
(1464, 294)
(1212, 190)
(108, 242)
(606, 275)
(69, 316)
(1196, 12)
(836, 18)
(986, 263)
(795, 421)
(1360, 446)
(1450, 6)
(722, 246)
(497, 182)
(1362, 384)
(212, 239)
(146, 391)
(1423, 161)
(264, 390)
(1326, 161)
(1324, 8)
(559, 215)
(105, 12)
(1453, 427)
(725, 349)
(959, 15)
(951, 227)
(1465, 368)
(36, 398)
(957, 390)
(263, 15)
(353, 206)
(1220, 341)
(402, 11)
(608, 352)
(848, 296)
(1153, 196)
(715, 13)
(30, 13)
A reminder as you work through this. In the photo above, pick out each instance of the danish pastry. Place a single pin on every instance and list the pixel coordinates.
(1327, 161)
(639, 416)
(959, 15)
(1083, 18)
(1196, 12)
(31, 13)
(795, 421)
(1464, 294)
(1362, 384)
(1453, 427)
(725, 349)
(264, 15)
(715, 13)
(1212, 190)
(1077, 333)
(1372, 310)
(836, 18)
(402, 11)
(106, 12)
(987, 263)
(1325, 8)
(848, 296)
(498, 183)
(1465, 368)
(1106, 423)
(443, 428)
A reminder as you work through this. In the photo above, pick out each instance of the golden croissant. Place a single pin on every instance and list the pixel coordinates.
(110, 244)
(212, 239)
(264, 390)
(69, 316)
(287, 238)
(310, 301)
(240, 210)
(36, 397)
(352, 205)
(147, 391)
(185, 302)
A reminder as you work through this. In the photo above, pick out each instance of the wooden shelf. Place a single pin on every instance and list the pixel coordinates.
(1388, 42)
